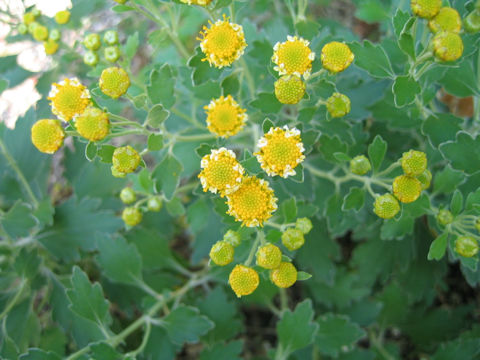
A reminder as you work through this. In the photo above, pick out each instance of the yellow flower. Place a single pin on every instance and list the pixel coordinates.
(221, 172)
(47, 135)
(28, 18)
(386, 206)
(50, 46)
(289, 89)
(243, 280)
(68, 98)
(225, 117)
(293, 57)
(285, 275)
(425, 8)
(222, 253)
(125, 160)
(336, 56)
(62, 17)
(281, 150)
(253, 203)
(222, 43)
(338, 105)
(447, 46)
(269, 256)
(40, 33)
(132, 216)
(406, 189)
(447, 19)
(93, 124)
(466, 246)
(114, 82)
(197, 2)
(414, 162)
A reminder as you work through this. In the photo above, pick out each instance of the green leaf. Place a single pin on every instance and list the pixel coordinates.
(266, 103)
(156, 116)
(296, 329)
(208, 90)
(302, 276)
(202, 71)
(120, 260)
(167, 175)
(458, 80)
(456, 151)
(456, 205)
(403, 23)
(27, 263)
(373, 59)
(122, 8)
(104, 351)
(376, 152)
(342, 157)
(3, 85)
(267, 124)
(354, 199)
(220, 351)
(397, 228)
(289, 210)
(441, 128)
(335, 333)
(185, 324)
(155, 142)
(91, 151)
(39, 354)
(86, 299)
(18, 221)
(203, 149)
(371, 11)
(105, 152)
(447, 180)
(438, 247)
(405, 89)
(161, 87)
(230, 85)
(131, 46)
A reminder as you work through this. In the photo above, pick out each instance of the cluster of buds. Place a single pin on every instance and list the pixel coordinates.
(138, 204)
(93, 43)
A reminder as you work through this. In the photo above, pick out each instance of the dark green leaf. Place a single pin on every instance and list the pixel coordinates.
(376, 152)
(405, 89)
(167, 175)
(185, 324)
(266, 103)
(155, 142)
(438, 247)
(373, 59)
(18, 221)
(354, 199)
(456, 151)
(161, 87)
(156, 116)
(456, 205)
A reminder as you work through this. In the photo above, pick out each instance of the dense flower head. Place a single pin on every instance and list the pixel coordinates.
(285, 275)
(127, 195)
(304, 225)
(293, 57)
(91, 58)
(444, 217)
(243, 280)
(132, 216)
(406, 189)
(447, 46)
(92, 42)
(114, 82)
(197, 2)
(386, 206)
(425, 8)
(222, 253)
(47, 135)
(253, 202)
(111, 37)
(221, 172)
(447, 19)
(40, 33)
(414, 162)
(466, 246)
(289, 89)
(68, 98)
(269, 256)
(54, 35)
(111, 53)
(425, 179)
(93, 124)
(336, 56)
(125, 160)
(62, 17)
(360, 165)
(225, 117)
(154, 204)
(280, 151)
(338, 105)
(222, 43)
(28, 18)
(293, 239)
(50, 46)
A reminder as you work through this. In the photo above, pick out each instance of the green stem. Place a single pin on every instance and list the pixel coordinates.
(248, 76)
(122, 121)
(379, 346)
(254, 247)
(15, 299)
(21, 177)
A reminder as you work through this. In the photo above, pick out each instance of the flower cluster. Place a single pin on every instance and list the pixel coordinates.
(133, 215)
(92, 44)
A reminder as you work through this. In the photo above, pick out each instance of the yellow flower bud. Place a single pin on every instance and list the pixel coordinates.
(47, 135)
(243, 280)
(285, 275)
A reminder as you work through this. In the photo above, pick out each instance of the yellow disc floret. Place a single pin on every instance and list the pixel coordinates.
(289, 89)
(269, 256)
(406, 189)
(125, 160)
(47, 135)
(336, 56)
(114, 82)
(447, 19)
(222, 253)
(253, 203)
(293, 57)
(281, 150)
(414, 162)
(243, 280)
(386, 206)
(447, 46)
(222, 43)
(50, 46)
(285, 275)
(93, 124)
(221, 172)
(426, 8)
(225, 117)
(68, 98)
(62, 17)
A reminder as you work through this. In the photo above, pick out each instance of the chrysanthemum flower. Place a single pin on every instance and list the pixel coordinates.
(447, 19)
(447, 46)
(338, 105)
(336, 56)
(285, 275)
(50, 46)
(221, 172)
(222, 43)
(125, 160)
(386, 206)
(253, 203)
(40, 33)
(197, 2)
(281, 150)
(293, 57)
(114, 82)
(47, 135)
(426, 8)
(62, 17)
(93, 124)
(68, 98)
(243, 280)
(289, 89)
(225, 117)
